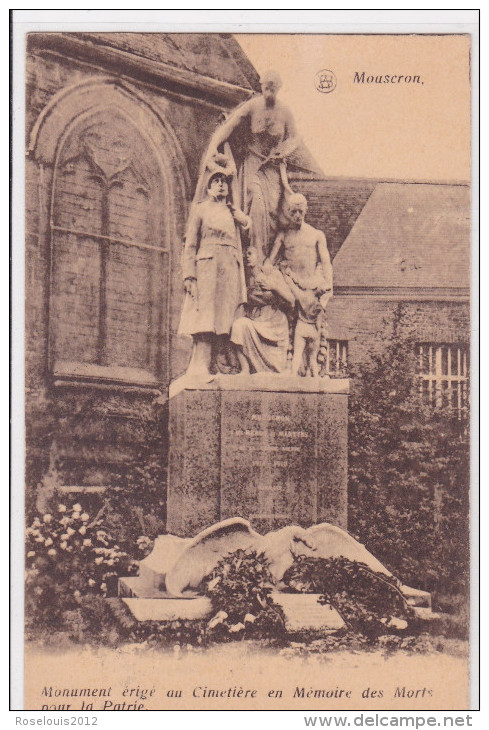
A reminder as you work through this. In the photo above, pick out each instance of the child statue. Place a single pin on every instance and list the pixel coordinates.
(307, 269)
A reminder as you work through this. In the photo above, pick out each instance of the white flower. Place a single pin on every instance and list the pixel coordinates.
(47, 519)
(48, 542)
(64, 536)
(40, 539)
(87, 542)
(213, 583)
(70, 531)
(77, 594)
(91, 582)
(61, 508)
(65, 521)
(218, 619)
(235, 628)
(103, 587)
(250, 618)
(77, 508)
(110, 562)
(396, 623)
(76, 515)
(31, 554)
(52, 552)
(36, 522)
(63, 545)
(85, 517)
(98, 561)
(82, 530)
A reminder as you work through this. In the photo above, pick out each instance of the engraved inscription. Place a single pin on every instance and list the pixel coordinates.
(268, 458)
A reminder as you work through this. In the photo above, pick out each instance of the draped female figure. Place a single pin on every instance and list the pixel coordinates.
(261, 134)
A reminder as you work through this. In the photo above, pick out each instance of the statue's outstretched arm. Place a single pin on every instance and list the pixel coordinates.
(226, 129)
(241, 218)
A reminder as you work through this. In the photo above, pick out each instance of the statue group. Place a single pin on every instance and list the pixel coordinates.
(254, 271)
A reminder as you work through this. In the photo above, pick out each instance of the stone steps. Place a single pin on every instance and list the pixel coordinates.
(302, 610)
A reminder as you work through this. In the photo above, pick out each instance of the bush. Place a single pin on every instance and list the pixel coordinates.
(136, 499)
(69, 556)
(409, 472)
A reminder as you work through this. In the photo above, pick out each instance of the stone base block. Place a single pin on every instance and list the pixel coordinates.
(416, 598)
(169, 609)
(302, 610)
(304, 613)
(137, 587)
(269, 448)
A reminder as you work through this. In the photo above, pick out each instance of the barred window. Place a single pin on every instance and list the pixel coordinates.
(109, 271)
(336, 358)
(443, 372)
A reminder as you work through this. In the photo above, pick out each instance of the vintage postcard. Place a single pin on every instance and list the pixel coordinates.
(247, 370)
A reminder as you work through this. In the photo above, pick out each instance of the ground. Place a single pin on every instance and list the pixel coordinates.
(306, 677)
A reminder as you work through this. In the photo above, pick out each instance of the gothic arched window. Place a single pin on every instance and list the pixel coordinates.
(110, 268)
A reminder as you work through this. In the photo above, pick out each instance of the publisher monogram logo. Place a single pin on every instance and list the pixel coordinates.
(325, 81)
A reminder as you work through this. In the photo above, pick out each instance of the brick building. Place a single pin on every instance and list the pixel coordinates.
(409, 252)
(116, 127)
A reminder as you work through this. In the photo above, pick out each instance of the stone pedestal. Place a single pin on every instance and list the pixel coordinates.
(269, 448)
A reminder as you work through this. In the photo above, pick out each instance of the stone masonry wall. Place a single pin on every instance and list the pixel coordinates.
(47, 75)
(367, 323)
(53, 438)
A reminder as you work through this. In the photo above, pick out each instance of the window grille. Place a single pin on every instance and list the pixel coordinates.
(443, 374)
(336, 358)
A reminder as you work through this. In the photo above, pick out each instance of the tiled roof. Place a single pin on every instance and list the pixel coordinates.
(215, 55)
(301, 164)
(409, 235)
(333, 205)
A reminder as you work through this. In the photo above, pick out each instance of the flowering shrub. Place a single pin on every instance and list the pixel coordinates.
(69, 556)
(145, 545)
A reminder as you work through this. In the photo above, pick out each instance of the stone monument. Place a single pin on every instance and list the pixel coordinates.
(248, 436)
(258, 450)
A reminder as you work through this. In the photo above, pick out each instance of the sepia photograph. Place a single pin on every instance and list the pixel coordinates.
(247, 370)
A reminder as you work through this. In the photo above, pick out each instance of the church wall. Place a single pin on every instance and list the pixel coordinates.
(88, 433)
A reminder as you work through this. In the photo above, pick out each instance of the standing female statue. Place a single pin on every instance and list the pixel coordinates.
(261, 134)
(212, 264)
